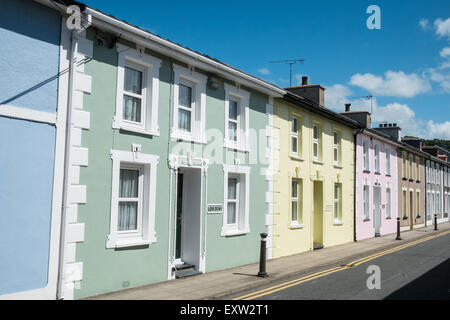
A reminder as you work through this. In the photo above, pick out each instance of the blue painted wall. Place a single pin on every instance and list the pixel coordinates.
(29, 54)
(29, 60)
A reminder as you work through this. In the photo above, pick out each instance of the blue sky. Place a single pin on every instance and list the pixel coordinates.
(405, 65)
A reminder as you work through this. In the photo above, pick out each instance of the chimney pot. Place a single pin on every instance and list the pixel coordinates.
(304, 81)
(347, 107)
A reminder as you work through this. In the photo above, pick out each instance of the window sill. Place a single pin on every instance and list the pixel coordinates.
(388, 218)
(366, 171)
(232, 146)
(404, 179)
(377, 173)
(366, 220)
(127, 242)
(405, 218)
(337, 166)
(233, 232)
(177, 135)
(411, 180)
(417, 181)
(338, 222)
(388, 175)
(318, 162)
(135, 129)
(297, 158)
(296, 225)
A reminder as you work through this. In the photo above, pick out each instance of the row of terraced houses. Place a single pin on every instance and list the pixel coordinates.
(127, 159)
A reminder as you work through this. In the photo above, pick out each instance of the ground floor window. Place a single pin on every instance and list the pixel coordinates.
(366, 202)
(296, 203)
(338, 202)
(388, 203)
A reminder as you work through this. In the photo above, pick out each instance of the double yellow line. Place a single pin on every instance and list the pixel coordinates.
(288, 284)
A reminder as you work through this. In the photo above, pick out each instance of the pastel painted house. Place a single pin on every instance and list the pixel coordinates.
(33, 110)
(376, 178)
(177, 167)
(313, 184)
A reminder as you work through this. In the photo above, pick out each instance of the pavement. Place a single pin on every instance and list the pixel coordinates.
(231, 282)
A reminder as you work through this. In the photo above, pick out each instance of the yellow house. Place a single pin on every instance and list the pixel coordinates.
(314, 173)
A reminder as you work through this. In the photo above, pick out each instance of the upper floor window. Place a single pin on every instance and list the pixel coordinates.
(388, 160)
(236, 118)
(189, 105)
(336, 147)
(404, 168)
(377, 158)
(316, 142)
(417, 168)
(295, 136)
(366, 155)
(137, 91)
(411, 162)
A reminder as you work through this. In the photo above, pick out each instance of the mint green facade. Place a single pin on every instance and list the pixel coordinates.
(107, 270)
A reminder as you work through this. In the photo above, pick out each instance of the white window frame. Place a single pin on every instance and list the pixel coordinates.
(295, 135)
(243, 98)
(337, 203)
(316, 141)
(376, 151)
(387, 151)
(366, 155)
(140, 169)
(242, 217)
(146, 233)
(388, 203)
(188, 77)
(366, 202)
(295, 224)
(149, 66)
(336, 147)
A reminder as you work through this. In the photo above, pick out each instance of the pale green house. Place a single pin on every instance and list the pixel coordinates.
(176, 177)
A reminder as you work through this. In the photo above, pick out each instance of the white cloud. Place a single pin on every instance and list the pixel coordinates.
(423, 23)
(395, 84)
(337, 95)
(442, 27)
(264, 71)
(438, 130)
(445, 52)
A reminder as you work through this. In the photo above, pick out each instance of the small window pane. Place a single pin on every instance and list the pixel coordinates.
(336, 138)
(231, 215)
(232, 182)
(127, 216)
(232, 131)
(232, 111)
(316, 132)
(294, 210)
(294, 145)
(185, 96)
(335, 155)
(184, 120)
(129, 182)
(131, 108)
(133, 81)
(294, 125)
(294, 189)
(316, 150)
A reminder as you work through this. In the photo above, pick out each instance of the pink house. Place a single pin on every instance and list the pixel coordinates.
(376, 179)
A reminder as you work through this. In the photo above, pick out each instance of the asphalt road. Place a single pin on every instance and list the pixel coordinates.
(421, 271)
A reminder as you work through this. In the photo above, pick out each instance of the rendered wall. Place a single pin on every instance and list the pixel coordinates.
(288, 240)
(29, 59)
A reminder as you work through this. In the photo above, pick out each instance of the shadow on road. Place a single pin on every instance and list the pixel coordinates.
(433, 285)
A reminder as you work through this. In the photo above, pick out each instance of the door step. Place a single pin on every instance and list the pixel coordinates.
(187, 273)
(184, 266)
(318, 247)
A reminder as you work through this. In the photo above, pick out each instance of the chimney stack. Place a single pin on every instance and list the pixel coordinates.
(390, 129)
(304, 81)
(362, 117)
(312, 92)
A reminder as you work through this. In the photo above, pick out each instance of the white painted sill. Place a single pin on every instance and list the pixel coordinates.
(128, 242)
(228, 145)
(338, 166)
(226, 232)
(338, 222)
(177, 135)
(294, 157)
(318, 162)
(126, 128)
(296, 225)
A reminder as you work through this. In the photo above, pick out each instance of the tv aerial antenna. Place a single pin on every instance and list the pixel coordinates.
(368, 97)
(290, 63)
